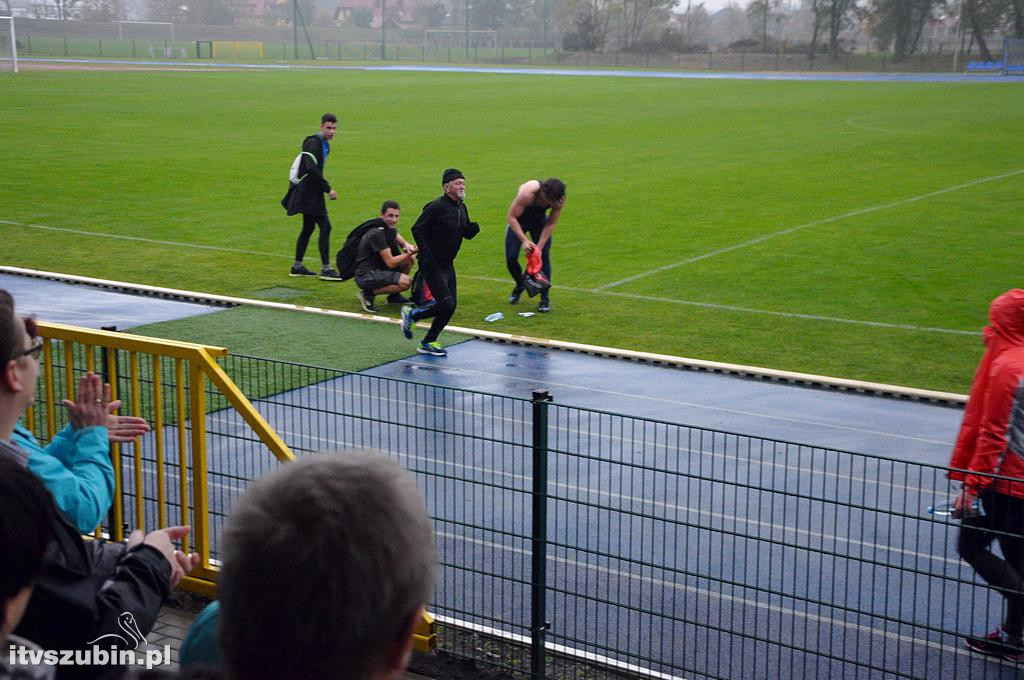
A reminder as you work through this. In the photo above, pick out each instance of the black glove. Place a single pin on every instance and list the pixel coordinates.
(471, 230)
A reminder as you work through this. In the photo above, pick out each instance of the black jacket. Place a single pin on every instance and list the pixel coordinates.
(83, 592)
(307, 197)
(440, 229)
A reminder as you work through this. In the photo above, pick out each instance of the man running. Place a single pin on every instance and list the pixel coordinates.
(438, 233)
(530, 226)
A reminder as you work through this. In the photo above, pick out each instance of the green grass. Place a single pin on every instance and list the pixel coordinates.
(659, 172)
(344, 344)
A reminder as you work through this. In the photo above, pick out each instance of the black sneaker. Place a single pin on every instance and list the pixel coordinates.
(544, 307)
(997, 644)
(366, 300)
(513, 297)
(300, 270)
(398, 299)
(407, 322)
(329, 274)
(432, 348)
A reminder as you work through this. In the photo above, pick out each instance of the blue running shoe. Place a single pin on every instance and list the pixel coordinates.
(407, 322)
(432, 348)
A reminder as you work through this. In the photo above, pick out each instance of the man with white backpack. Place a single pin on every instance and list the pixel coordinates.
(306, 189)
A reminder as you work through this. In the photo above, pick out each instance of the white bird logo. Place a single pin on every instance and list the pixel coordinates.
(125, 622)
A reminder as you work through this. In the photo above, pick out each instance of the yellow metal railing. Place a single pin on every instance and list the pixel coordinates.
(82, 349)
(140, 361)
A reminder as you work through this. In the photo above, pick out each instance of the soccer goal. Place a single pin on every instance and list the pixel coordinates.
(1013, 56)
(145, 30)
(447, 37)
(8, 45)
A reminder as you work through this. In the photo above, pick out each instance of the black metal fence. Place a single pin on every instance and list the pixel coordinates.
(638, 546)
(109, 40)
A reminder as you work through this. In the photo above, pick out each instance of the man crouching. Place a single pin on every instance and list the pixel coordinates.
(384, 259)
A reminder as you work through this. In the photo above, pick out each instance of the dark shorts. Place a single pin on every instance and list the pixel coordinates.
(377, 278)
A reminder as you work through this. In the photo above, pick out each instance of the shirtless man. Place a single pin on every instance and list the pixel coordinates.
(530, 226)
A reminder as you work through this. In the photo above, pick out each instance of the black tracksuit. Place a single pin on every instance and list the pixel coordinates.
(307, 198)
(439, 231)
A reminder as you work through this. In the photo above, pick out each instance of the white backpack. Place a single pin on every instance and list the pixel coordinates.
(293, 174)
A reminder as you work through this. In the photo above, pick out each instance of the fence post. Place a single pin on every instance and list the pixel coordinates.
(114, 514)
(538, 577)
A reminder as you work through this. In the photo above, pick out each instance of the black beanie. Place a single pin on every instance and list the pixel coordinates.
(451, 174)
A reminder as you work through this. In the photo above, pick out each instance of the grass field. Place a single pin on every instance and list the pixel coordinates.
(848, 229)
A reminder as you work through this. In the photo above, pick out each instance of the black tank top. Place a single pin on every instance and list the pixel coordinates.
(533, 216)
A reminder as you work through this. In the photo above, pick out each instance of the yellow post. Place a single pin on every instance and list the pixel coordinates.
(158, 439)
(179, 376)
(133, 376)
(51, 424)
(200, 497)
(116, 531)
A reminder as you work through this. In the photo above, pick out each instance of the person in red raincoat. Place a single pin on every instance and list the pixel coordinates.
(989, 459)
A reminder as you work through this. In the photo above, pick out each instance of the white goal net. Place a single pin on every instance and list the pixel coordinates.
(445, 37)
(145, 30)
(8, 45)
(1013, 56)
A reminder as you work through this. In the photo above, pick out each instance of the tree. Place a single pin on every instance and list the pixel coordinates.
(487, 14)
(97, 10)
(696, 25)
(819, 17)
(729, 25)
(835, 16)
(983, 17)
(174, 11)
(589, 30)
(899, 23)
(1017, 9)
(431, 15)
(760, 12)
(213, 12)
(637, 13)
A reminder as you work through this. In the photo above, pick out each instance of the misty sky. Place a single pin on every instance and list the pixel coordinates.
(710, 5)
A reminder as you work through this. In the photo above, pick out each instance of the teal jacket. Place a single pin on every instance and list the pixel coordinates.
(76, 468)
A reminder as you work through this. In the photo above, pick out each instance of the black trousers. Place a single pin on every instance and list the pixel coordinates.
(441, 279)
(1003, 513)
(309, 223)
(512, 248)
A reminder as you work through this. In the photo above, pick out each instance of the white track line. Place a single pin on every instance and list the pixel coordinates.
(790, 230)
(587, 291)
(122, 237)
(851, 122)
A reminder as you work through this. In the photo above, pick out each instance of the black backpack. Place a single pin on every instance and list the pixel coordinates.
(345, 260)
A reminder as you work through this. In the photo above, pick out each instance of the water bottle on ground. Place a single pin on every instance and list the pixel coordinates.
(947, 510)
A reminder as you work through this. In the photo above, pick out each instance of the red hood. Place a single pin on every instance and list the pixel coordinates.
(1007, 319)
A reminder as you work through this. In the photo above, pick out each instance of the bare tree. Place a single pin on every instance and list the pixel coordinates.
(589, 31)
(899, 23)
(760, 11)
(637, 13)
(819, 17)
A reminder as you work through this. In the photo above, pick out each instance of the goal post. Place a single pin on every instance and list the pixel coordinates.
(8, 45)
(1013, 56)
(152, 30)
(455, 37)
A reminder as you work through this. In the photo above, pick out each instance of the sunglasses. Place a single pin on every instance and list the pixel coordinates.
(37, 342)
